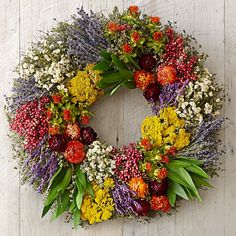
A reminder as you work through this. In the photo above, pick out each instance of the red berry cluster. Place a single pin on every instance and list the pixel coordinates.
(127, 162)
(176, 56)
(31, 122)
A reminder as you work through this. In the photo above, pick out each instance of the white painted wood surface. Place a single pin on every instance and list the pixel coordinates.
(118, 119)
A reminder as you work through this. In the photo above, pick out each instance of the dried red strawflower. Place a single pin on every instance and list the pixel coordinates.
(67, 114)
(160, 203)
(147, 62)
(172, 151)
(112, 26)
(143, 79)
(135, 36)
(148, 166)
(162, 173)
(53, 130)
(151, 93)
(133, 10)
(127, 48)
(56, 98)
(166, 75)
(165, 159)
(146, 144)
(72, 131)
(84, 119)
(157, 35)
(154, 19)
(74, 152)
(138, 185)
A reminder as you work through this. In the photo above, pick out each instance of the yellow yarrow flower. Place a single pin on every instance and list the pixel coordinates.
(83, 86)
(101, 207)
(167, 128)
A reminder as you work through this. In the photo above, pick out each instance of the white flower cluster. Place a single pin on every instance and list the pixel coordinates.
(48, 63)
(98, 164)
(199, 99)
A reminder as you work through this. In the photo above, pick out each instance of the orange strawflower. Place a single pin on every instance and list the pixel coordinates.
(56, 98)
(155, 19)
(162, 173)
(160, 203)
(146, 144)
(166, 75)
(157, 35)
(165, 159)
(135, 36)
(127, 48)
(112, 26)
(67, 114)
(148, 166)
(74, 152)
(143, 79)
(138, 185)
(133, 10)
(84, 119)
(53, 130)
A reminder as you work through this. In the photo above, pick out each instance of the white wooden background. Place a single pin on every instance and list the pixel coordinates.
(213, 23)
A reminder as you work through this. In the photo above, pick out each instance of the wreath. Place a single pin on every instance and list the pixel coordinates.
(73, 65)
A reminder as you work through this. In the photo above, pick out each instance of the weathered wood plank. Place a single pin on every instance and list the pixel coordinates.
(9, 179)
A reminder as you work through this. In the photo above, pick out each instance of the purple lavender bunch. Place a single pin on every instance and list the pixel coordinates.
(205, 146)
(24, 90)
(40, 166)
(125, 204)
(85, 37)
(168, 96)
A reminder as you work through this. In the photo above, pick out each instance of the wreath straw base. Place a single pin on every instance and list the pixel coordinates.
(61, 155)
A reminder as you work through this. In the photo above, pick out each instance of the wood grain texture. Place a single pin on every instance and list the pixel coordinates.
(118, 118)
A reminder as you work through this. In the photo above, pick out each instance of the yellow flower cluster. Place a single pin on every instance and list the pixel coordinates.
(166, 128)
(83, 86)
(101, 207)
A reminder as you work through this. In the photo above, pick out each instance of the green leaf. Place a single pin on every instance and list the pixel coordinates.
(186, 176)
(112, 78)
(199, 181)
(76, 218)
(179, 190)
(81, 176)
(66, 180)
(72, 206)
(118, 62)
(46, 209)
(171, 196)
(102, 65)
(176, 178)
(178, 164)
(114, 89)
(105, 54)
(133, 62)
(198, 170)
(89, 189)
(55, 175)
(53, 193)
(126, 74)
(129, 85)
(192, 161)
(80, 193)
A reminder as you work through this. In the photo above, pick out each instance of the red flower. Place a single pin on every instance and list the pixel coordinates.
(166, 75)
(133, 10)
(112, 26)
(56, 98)
(121, 27)
(172, 151)
(84, 119)
(136, 36)
(165, 159)
(67, 114)
(160, 203)
(143, 79)
(74, 152)
(49, 114)
(162, 174)
(127, 48)
(155, 19)
(53, 130)
(157, 35)
(146, 144)
(148, 166)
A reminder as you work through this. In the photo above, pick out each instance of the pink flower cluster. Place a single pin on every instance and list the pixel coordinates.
(127, 162)
(175, 55)
(31, 122)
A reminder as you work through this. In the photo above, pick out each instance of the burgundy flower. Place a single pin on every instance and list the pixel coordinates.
(142, 208)
(58, 143)
(151, 93)
(158, 189)
(147, 62)
(88, 135)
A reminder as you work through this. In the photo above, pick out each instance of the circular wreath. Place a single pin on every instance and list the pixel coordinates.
(60, 155)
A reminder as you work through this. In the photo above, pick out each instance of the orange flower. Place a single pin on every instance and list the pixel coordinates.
(74, 152)
(160, 203)
(133, 10)
(143, 79)
(67, 114)
(155, 19)
(53, 130)
(127, 48)
(157, 35)
(165, 159)
(146, 144)
(148, 166)
(49, 114)
(138, 185)
(73, 131)
(136, 36)
(84, 119)
(112, 26)
(162, 173)
(56, 98)
(166, 75)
